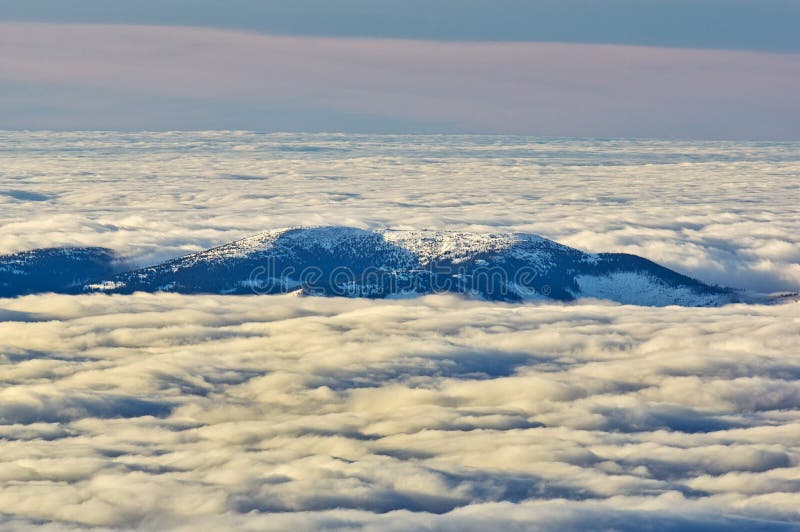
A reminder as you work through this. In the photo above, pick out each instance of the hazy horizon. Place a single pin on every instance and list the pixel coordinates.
(542, 138)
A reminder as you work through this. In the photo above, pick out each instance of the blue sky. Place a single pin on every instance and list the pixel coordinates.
(733, 24)
(652, 68)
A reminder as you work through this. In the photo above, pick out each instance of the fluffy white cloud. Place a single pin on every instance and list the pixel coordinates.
(276, 412)
(727, 213)
(259, 413)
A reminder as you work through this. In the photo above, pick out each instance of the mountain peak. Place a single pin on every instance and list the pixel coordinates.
(353, 262)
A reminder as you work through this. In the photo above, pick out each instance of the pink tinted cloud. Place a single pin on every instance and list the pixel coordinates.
(540, 88)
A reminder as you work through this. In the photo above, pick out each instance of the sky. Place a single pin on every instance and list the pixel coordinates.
(706, 69)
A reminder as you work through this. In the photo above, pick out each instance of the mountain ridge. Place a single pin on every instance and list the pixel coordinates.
(388, 263)
(352, 262)
(64, 269)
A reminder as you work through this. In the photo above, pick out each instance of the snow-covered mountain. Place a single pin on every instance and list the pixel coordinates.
(345, 261)
(63, 270)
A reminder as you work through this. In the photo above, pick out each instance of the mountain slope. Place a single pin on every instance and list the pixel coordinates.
(62, 270)
(344, 261)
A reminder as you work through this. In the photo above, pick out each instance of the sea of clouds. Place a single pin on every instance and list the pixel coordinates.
(161, 411)
(286, 412)
(724, 212)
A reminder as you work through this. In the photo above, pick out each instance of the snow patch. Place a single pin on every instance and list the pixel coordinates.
(630, 288)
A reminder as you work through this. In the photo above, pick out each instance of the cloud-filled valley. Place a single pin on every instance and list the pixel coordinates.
(277, 411)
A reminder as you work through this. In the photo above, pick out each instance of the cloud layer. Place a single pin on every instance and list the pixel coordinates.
(284, 412)
(157, 411)
(726, 213)
(91, 76)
